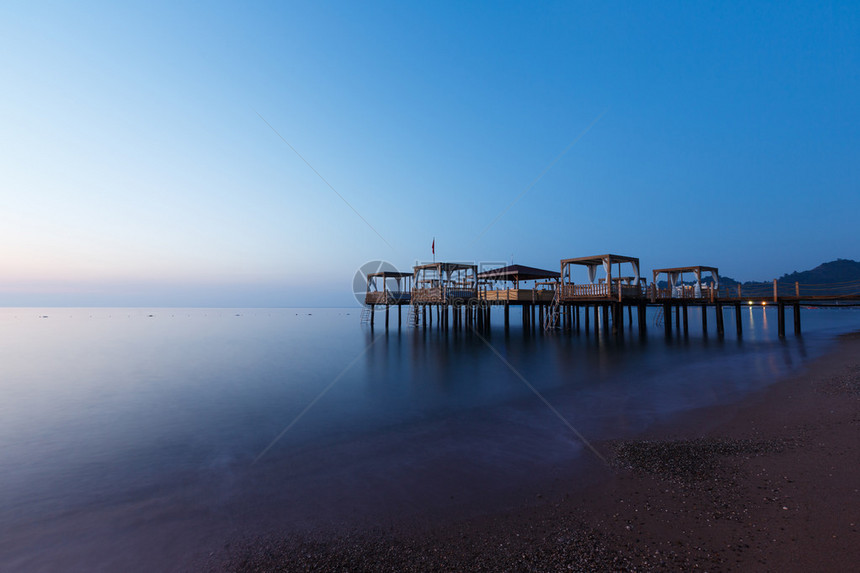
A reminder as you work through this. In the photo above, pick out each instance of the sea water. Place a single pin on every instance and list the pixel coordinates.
(145, 439)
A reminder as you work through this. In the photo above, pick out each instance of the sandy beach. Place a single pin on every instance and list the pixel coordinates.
(770, 484)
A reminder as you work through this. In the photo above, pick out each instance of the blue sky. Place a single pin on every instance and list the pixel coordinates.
(135, 168)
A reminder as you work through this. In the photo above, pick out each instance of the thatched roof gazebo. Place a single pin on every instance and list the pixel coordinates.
(543, 289)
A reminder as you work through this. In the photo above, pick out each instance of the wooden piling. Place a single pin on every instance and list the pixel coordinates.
(780, 310)
(797, 318)
(719, 309)
(667, 318)
(685, 319)
(738, 323)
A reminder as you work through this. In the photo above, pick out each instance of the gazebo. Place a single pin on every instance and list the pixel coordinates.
(608, 286)
(677, 288)
(389, 288)
(444, 283)
(543, 284)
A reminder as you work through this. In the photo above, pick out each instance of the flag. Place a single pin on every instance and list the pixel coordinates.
(433, 246)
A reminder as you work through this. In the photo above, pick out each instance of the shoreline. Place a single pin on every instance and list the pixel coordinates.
(767, 484)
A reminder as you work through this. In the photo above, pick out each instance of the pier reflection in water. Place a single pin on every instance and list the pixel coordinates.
(125, 430)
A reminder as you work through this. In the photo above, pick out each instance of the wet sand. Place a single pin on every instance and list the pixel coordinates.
(772, 484)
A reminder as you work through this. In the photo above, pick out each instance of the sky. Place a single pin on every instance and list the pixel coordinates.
(258, 154)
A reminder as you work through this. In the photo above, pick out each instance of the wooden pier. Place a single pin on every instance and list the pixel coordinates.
(456, 296)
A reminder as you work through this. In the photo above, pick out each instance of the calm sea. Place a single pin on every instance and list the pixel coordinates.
(142, 440)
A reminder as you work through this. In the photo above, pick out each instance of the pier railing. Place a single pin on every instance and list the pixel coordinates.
(533, 295)
(686, 292)
(600, 290)
(584, 291)
(775, 291)
(427, 295)
(848, 290)
(440, 295)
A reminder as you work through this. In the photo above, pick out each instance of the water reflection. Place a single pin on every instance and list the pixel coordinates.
(142, 425)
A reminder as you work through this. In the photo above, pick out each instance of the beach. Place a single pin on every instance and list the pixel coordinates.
(770, 483)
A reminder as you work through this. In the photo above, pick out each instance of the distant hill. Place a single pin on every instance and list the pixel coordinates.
(838, 271)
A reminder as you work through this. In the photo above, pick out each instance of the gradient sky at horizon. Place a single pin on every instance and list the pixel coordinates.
(136, 169)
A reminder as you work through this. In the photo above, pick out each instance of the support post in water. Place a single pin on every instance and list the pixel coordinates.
(719, 308)
(780, 319)
(684, 310)
(738, 323)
